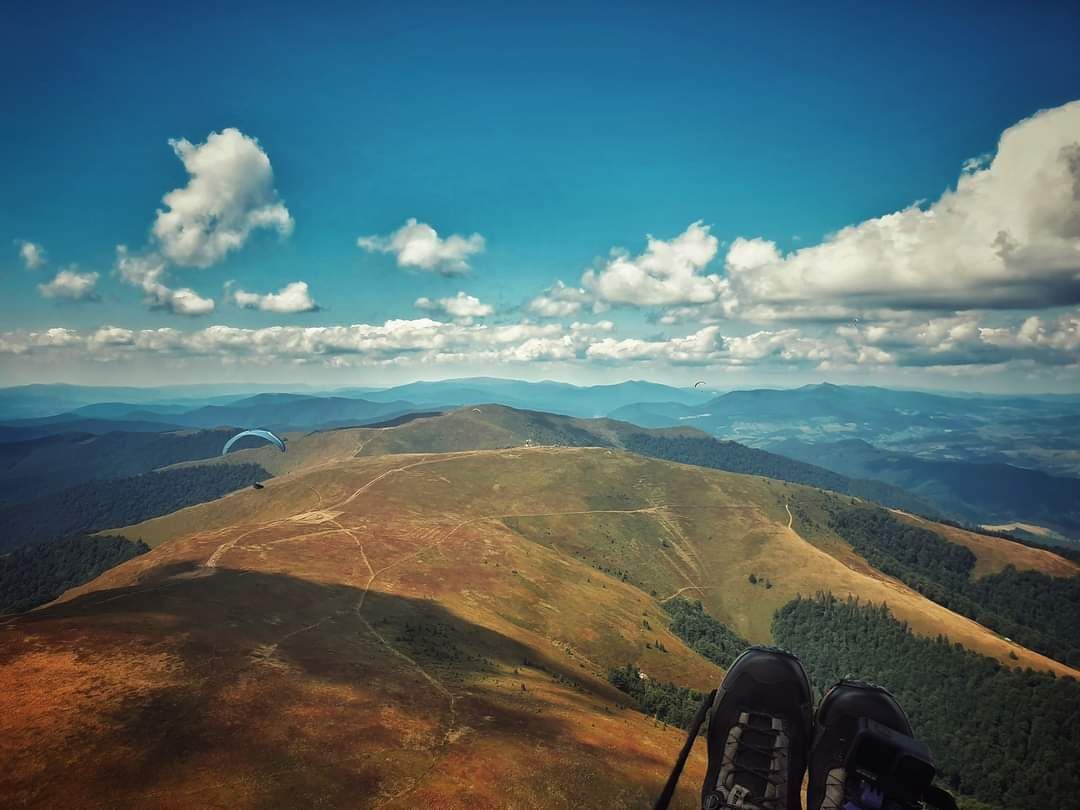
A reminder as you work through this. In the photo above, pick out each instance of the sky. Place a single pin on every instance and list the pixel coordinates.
(589, 192)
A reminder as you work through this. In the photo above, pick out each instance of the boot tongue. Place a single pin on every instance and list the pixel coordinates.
(755, 763)
(754, 757)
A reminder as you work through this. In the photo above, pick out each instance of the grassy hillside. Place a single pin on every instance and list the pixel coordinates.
(494, 426)
(390, 626)
(377, 647)
(663, 528)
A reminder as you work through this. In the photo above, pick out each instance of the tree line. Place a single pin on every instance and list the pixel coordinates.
(667, 702)
(35, 574)
(1008, 737)
(1034, 609)
(96, 505)
(704, 634)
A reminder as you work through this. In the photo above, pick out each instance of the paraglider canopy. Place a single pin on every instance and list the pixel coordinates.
(262, 434)
(699, 382)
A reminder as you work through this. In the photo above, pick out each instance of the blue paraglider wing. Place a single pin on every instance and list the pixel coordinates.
(262, 434)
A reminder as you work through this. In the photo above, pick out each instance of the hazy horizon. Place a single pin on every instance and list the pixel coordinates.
(270, 386)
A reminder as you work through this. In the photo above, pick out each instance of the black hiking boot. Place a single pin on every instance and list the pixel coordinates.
(865, 757)
(759, 730)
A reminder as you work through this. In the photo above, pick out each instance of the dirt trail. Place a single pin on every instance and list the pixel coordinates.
(221, 550)
(681, 591)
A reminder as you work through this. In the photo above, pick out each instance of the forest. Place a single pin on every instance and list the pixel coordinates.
(1039, 611)
(40, 466)
(35, 574)
(704, 634)
(667, 702)
(96, 505)
(1008, 737)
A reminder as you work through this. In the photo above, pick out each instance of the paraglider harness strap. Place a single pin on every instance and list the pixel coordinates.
(695, 726)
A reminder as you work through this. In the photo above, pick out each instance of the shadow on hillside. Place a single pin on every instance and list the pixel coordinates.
(284, 681)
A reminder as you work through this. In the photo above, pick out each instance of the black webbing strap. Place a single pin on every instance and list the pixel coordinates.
(695, 726)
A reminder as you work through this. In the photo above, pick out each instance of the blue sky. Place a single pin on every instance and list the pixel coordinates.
(555, 135)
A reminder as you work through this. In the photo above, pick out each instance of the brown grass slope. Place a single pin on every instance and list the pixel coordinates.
(404, 630)
(667, 528)
(382, 650)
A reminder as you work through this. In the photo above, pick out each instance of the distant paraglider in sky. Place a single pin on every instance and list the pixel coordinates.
(262, 434)
(477, 410)
(699, 382)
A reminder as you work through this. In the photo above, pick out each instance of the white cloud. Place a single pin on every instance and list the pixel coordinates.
(461, 307)
(147, 273)
(291, 298)
(71, 285)
(420, 341)
(786, 345)
(707, 347)
(230, 193)
(24, 341)
(110, 336)
(666, 274)
(963, 344)
(416, 244)
(701, 348)
(1008, 236)
(965, 340)
(560, 301)
(32, 254)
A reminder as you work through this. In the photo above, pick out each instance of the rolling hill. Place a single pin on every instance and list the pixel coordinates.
(493, 427)
(389, 627)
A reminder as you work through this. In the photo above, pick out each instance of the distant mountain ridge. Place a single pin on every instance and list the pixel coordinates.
(280, 411)
(977, 492)
(58, 408)
(497, 426)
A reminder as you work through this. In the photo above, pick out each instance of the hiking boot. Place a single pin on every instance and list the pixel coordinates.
(759, 730)
(864, 755)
